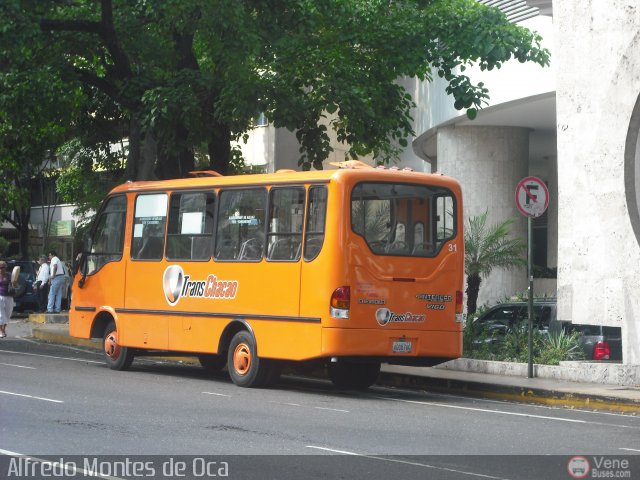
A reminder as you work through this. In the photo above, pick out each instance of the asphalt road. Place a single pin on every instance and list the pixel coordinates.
(63, 404)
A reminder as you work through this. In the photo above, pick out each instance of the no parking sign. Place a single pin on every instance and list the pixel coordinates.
(532, 197)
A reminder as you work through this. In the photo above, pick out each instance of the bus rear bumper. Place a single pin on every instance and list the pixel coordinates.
(392, 346)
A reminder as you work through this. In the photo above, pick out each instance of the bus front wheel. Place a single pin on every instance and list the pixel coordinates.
(354, 375)
(116, 356)
(246, 369)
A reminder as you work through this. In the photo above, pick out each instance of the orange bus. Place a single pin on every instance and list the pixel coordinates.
(349, 268)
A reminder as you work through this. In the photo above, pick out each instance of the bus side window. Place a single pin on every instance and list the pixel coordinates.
(285, 223)
(316, 216)
(190, 230)
(108, 237)
(240, 230)
(150, 219)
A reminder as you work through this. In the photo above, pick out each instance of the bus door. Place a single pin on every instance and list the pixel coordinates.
(103, 269)
(284, 247)
(143, 325)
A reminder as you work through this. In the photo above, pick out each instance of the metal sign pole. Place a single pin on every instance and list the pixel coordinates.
(530, 274)
(532, 199)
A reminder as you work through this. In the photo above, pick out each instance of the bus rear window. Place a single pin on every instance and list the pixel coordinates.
(403, 219)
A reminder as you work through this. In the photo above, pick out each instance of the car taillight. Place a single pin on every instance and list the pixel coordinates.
(601, 351)
(341, 302)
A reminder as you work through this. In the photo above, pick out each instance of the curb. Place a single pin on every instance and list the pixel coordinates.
(417, 382)
(512, 393)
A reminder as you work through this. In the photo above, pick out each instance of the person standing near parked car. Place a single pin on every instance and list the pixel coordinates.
(57, 281)
(42, 283)
(6, 300)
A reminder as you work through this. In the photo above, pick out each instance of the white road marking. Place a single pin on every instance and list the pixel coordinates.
(31, 396)
(405, 462)
(485, 410)
(51, 356)
(630, 449)
(17, 366)
(216, 394)
(63, 466)
(332, 409)
(507, 402)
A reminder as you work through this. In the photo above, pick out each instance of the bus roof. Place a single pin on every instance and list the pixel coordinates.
(287, 177)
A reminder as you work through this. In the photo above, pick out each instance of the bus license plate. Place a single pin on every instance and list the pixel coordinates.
(401, 346)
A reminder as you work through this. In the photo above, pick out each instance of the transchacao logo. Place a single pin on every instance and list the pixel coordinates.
(385, 316)
(177, 285)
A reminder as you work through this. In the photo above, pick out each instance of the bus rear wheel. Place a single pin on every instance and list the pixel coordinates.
(354, 375)
(116, 356)
(246, 369)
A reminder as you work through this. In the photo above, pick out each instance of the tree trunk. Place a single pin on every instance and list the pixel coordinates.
(148, 158)
(473, 287)
(219, 145)
(133, 157)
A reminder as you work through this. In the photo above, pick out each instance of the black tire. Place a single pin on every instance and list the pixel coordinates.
(246, 369)
(116, 356)
(354, 375)
(212, 363)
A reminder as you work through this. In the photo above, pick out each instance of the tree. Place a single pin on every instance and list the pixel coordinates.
(486, 248)
(182, 73)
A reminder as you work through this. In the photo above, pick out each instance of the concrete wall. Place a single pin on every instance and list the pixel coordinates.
(489, 162)
(597, 89)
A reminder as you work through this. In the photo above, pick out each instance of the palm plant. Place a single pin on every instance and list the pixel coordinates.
(486, 248)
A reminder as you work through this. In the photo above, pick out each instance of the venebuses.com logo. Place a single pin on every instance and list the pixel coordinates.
(599, 467)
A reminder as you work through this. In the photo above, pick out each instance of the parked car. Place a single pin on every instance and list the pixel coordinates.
(598, 342)
(26, 298)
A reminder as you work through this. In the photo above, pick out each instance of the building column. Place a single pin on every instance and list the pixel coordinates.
(489, 162)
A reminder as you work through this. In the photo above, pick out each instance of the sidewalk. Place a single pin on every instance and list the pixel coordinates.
(545, 391)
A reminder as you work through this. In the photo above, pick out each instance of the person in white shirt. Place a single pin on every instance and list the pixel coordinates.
(42, 283)
(57, 281)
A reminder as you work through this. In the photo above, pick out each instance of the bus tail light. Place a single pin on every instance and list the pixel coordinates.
(460, 317)
(601, 351)
(340, 302)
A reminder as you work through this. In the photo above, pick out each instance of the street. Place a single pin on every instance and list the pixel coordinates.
(63, 401)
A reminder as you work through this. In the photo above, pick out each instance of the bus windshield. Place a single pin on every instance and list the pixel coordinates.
(403, 219)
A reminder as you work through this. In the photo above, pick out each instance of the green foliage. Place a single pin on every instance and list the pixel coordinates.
(188, 74)
(559, 347)
(488, 247)
(4, 245)
(548, 348)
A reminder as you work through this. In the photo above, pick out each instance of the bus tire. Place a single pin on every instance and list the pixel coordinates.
(212, 363)
(116, 356)
(246, 369)
(354, 375)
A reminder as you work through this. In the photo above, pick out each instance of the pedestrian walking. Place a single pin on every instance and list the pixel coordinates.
(57, 282)
(6, 300)
(42, 283)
